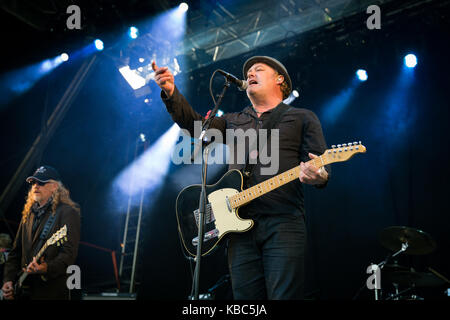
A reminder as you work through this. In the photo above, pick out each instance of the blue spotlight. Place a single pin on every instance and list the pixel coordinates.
(149, 170)
(410, 60)
(133, 32)
(17, 82)
(99, 44)
(170, 26)
(183, 7)
(362, 74)
(294, 95)
(64, 57)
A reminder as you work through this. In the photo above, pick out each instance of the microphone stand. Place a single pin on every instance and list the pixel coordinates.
(203, 199)
(383, 263)
(377, 291)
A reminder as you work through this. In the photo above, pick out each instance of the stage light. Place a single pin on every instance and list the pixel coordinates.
(64, 57)
(133, 32)
(133, 79)
(362, 74)
(183, 7)
(219, 113)
(398, 117)
(98, 44)
(294, 95)
(410, 60)
(17, 82)
(170, 26)
(149, 170)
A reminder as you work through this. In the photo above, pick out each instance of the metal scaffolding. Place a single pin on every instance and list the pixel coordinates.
(129, 271)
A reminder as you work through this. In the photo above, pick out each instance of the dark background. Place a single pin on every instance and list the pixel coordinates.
(400, 181)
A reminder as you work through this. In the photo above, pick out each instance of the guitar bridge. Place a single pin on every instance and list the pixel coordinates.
(209, 215)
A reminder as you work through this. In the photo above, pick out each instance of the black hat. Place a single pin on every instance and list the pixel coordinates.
(274, 63)
(44, 174)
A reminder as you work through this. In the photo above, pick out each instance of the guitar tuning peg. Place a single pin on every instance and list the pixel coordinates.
(355, 143)
(333, 146)
(360, 142)
(338, 145)
(344, 144)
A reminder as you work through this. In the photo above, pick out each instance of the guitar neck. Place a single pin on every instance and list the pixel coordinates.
(336, 154)
(271, 184)
(41, 252)
(24, 275)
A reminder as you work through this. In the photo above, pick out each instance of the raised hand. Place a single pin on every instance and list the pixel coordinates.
(164, 79)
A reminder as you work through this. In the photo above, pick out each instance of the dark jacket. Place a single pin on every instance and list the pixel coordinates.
(58, 258)
(300, 133)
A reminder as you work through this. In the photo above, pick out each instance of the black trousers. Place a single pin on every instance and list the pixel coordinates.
(268, 261)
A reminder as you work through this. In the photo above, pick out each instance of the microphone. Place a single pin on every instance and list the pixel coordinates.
(241, 84)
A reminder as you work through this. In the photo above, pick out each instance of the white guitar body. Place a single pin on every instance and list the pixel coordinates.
(226, 218)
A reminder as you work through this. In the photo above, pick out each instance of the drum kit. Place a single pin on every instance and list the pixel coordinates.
(407, 241)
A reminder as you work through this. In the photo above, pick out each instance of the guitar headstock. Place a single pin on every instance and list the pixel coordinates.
(342, 152)
(58, 237)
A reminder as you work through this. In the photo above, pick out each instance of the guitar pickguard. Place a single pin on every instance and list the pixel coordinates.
(226, 220)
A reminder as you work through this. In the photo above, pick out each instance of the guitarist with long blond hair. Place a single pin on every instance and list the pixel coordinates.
(48, 207)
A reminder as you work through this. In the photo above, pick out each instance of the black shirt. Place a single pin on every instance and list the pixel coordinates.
(300, 133)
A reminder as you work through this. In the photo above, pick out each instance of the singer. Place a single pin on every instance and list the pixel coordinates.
(266, 262)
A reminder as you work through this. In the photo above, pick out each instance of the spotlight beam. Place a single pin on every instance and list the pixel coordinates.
(149, 170)
(44, 136)
(169, 26)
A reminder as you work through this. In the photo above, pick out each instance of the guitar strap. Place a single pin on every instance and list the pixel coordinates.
(274, 118)
(44, 234)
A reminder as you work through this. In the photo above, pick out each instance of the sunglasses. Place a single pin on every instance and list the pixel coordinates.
(39, 183)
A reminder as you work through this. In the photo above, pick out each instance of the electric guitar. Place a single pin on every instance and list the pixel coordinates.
(21, 289)
(226, 196)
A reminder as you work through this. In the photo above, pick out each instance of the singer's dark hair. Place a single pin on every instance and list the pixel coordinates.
(284, 88)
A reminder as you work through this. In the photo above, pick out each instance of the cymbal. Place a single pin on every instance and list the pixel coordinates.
(418, 279)
(419, 242)
(394, 267)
